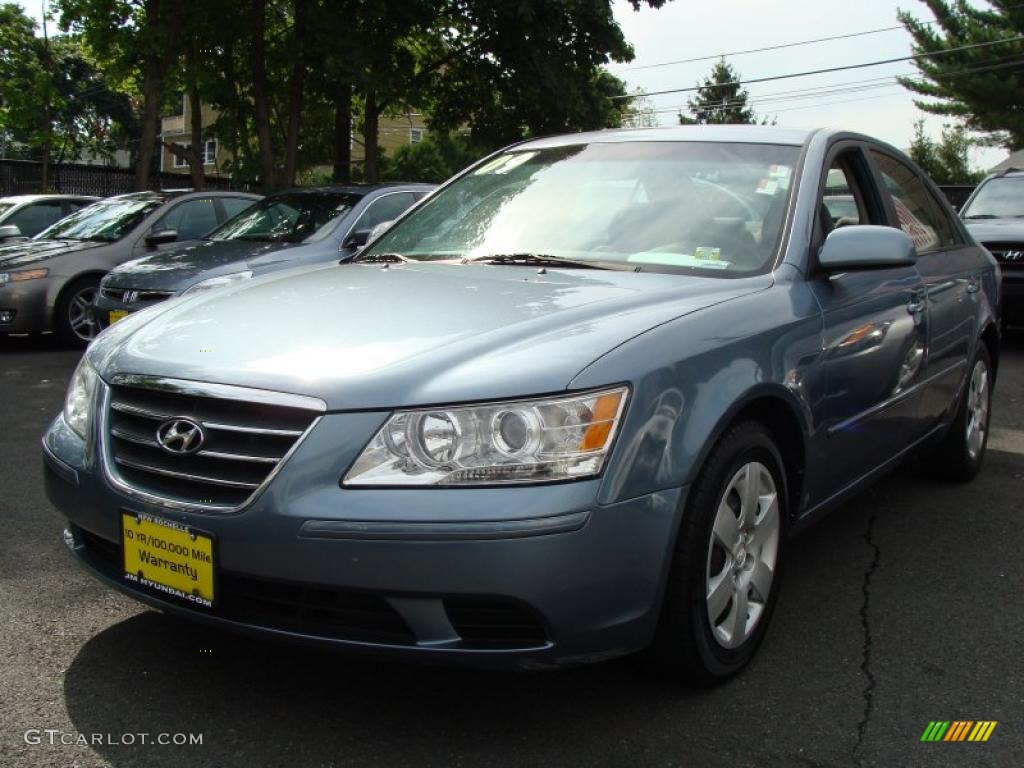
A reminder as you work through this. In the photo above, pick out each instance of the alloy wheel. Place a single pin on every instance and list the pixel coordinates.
(742, 555)
(80, 313)
(977, 409)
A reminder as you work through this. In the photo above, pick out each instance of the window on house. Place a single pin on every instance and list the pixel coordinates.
(179, 160)
(415, 135)
(210, 152)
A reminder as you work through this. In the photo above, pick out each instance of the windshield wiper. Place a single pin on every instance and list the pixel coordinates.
(544, 260)
(981, 216)
(381, 258)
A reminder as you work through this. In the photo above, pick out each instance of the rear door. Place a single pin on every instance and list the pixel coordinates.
(946, 264)
(875, 333)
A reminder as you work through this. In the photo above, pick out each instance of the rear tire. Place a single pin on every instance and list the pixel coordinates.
(726, 569)
(959, 456)
(73, 321)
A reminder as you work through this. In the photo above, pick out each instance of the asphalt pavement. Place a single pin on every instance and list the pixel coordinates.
(903, 607)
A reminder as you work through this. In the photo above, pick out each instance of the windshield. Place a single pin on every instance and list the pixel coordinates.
(288, 218)
(702, 208)
(105, 221)
(998, 198)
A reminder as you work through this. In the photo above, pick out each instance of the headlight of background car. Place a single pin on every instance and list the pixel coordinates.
(217, 282)
(78, 403)
(527, 441)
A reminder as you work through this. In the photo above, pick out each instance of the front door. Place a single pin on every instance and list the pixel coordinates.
(875, 337)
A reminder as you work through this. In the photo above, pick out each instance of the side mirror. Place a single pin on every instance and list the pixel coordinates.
(866, 247)
(161, 236)
(356, 239)
(9, 230)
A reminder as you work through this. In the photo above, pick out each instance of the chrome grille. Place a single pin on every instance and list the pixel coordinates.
(132, 296)
(247, 435)
(1009, 255)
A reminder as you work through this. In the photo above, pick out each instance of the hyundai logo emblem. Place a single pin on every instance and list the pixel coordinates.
(180, 436)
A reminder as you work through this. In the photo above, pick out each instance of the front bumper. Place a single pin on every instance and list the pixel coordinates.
(29, 304)
(104, 305)
(529, 576)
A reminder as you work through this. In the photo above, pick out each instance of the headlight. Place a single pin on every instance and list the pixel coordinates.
(78, 403)
(526, 441)
(27, 274)
(217, 282)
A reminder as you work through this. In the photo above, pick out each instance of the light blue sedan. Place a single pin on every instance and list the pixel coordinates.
(569, 407)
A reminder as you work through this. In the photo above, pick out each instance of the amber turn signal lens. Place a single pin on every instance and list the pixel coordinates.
(605, 410)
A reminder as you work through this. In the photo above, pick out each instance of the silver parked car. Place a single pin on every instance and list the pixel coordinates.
(24, 216)
(570, 406)
(49, 283)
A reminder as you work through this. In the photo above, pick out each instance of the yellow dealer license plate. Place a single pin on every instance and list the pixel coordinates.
(117, 314)
(168, 557)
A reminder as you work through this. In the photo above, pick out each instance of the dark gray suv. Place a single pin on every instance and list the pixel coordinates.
(995, 216)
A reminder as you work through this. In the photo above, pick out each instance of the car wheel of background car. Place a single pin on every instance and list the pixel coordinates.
(73, 319)
(958, 457)
(725, 571)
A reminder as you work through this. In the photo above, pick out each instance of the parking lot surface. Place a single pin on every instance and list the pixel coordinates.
(903, 607)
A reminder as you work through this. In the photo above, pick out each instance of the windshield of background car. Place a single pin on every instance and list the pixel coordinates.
(288, 218)
(714, 209)
(998, 198)
(104, 222)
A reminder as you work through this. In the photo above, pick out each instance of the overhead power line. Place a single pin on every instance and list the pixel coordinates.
(781, 46)
(827, 70)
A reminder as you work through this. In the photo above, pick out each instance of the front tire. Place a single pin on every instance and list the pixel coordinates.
(958, 457)
(724, 578)
(73, 320)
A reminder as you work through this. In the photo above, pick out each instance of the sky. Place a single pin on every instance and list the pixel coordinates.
(687, 29)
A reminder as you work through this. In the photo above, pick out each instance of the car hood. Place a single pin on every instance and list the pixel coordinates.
(180, 267)
(997, 230)
(28, 252)
(363, 336)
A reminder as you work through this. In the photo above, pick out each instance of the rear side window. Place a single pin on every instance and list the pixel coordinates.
(35, 217)
(386, 208)
(235, 205)
(191, 219)
(920, 214)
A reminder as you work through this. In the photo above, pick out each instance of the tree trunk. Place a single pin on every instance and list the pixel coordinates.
(150, 97)
(259, 95)
(371, 171)
(197, 152)
(296, 85)
(343, 133)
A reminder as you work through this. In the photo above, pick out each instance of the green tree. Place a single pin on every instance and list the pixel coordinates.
(720, 99)
(438, 157)
(982, 86)
(947, 160)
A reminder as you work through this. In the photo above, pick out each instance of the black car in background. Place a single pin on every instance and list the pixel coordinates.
(994, 214)
(287, 229)
(48, 283)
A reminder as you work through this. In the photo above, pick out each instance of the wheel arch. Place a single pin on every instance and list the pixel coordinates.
(780, 412)
(51, 306)
(990, 337)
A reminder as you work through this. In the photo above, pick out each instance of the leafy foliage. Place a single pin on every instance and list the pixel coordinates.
(720, 99)
(982, 86)
(946, 160)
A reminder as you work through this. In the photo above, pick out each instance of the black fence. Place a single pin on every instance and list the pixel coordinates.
(25, 177)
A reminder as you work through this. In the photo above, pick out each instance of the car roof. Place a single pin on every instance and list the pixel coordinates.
(356, 188)
(165, 195)
(750, 134)
(17, 199)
